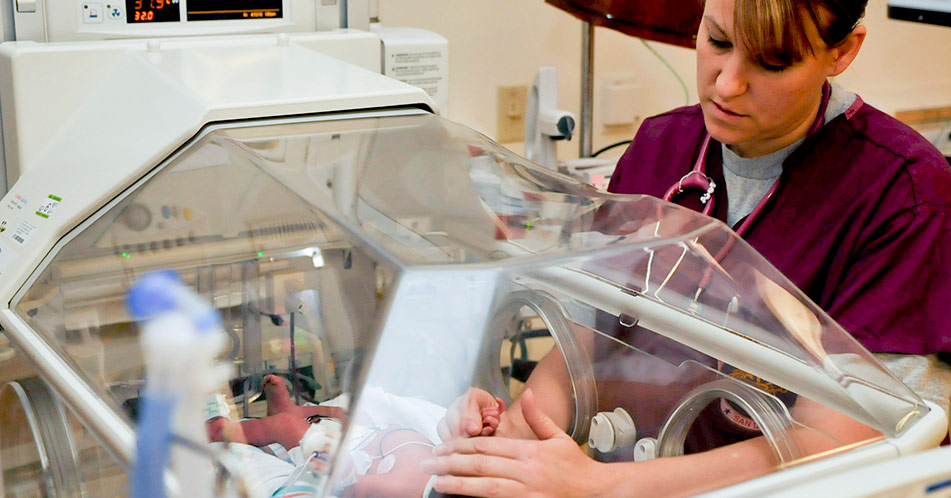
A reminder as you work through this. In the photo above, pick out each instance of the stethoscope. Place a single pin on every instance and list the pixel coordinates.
(697, 177)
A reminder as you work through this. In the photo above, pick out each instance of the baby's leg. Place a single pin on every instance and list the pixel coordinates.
(279, 401)
(284, 428)
(285, 422)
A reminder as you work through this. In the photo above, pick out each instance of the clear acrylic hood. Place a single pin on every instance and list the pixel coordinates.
(386, 264)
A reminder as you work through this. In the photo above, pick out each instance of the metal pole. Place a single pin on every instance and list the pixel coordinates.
(587, 88)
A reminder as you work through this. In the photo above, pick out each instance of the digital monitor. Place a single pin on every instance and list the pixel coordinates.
(926, 11)
(145, 11)
(217, 10)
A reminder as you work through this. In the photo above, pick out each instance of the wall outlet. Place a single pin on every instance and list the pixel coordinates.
(620, 97)
(511, 113)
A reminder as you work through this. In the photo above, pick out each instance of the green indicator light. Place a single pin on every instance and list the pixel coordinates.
(125, 255)
(260, 254)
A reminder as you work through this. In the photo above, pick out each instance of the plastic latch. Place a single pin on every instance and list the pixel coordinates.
(612, 430)
(645, 449)
(26, 6)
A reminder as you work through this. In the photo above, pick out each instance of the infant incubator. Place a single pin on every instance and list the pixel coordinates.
(385, 262)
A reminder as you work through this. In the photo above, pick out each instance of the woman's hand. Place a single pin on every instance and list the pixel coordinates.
(552, 466)
(475, 413)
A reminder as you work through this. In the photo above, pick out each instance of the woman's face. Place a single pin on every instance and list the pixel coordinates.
(755, 108)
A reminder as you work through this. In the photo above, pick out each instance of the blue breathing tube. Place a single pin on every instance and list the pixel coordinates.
(153, 447)
(155, 295)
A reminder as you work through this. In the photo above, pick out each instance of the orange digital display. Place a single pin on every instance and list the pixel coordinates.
(221, 10)
(139, 11)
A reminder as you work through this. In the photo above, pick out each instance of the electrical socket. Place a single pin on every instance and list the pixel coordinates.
(619, 100)
(511, 113)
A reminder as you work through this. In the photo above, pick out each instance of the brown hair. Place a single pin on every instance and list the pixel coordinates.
(776, 31)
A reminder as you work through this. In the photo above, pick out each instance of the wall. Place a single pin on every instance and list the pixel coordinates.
(503, 42)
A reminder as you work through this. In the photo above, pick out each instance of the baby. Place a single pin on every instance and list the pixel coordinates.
(383, 449)
(284, 424)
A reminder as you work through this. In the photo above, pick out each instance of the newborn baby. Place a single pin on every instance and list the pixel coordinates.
(386, 440)
(284, 424)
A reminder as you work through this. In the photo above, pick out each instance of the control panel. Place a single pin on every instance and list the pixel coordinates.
(148, 11)
(72, 20)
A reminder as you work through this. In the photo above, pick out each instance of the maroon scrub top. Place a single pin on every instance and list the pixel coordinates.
(860, 219)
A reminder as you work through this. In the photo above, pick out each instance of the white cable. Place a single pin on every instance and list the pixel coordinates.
(405, 443)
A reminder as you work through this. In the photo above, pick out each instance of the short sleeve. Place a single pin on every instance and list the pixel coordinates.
(625, 163)
(896, 292)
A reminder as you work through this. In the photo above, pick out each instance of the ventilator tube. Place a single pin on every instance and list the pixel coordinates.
(180, 337)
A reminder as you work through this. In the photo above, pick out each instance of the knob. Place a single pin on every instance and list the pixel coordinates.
(612, 430)
(645, 449)
(137, 217)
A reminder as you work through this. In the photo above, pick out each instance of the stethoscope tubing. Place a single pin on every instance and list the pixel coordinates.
(697, 176)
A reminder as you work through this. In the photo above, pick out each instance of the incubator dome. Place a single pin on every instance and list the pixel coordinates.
(385, 263)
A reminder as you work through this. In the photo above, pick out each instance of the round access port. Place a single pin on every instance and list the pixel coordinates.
(36, 456)
(770, 415)
(526, 317)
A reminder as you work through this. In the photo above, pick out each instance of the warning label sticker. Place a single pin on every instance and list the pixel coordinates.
(23, 232)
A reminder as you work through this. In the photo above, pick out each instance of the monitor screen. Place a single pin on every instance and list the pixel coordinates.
(926, 11)
(217, 10)
(150, 11)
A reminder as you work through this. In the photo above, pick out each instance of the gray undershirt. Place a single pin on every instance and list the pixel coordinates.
(749, 179)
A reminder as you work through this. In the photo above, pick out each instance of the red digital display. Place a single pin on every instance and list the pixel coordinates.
(139, 11)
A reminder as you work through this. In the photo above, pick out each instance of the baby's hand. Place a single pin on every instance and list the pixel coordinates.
(475, 413)
(491, 416)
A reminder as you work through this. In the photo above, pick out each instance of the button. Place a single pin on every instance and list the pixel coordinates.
(187, 214)
(137, 217)
(26, 5)
(113, 11)
(166, 212)
(92, 13)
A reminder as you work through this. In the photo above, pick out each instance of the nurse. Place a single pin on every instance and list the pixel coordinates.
(850, 204)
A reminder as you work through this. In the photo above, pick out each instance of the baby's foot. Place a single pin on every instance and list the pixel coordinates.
(278, 398)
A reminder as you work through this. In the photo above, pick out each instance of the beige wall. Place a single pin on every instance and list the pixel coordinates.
(503, 42)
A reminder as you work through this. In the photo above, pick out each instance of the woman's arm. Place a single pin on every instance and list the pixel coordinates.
(551, 385)
(554, 465)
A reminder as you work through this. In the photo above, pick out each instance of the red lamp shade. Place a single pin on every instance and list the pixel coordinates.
(667, 21)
